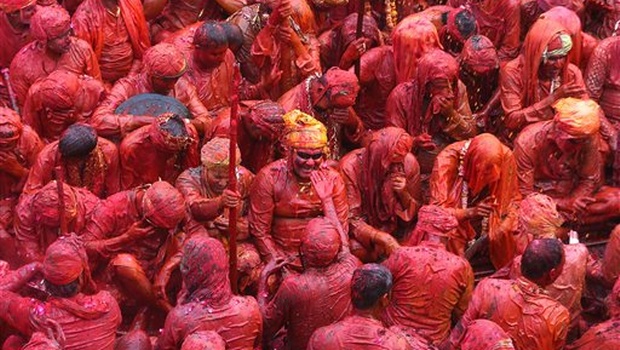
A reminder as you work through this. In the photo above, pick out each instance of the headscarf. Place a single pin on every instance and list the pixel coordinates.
(164, 61)
(539, 216)
(535, 46)
(301, 130)
(65, 261)
(411, 39)
(49, 22)
(435, 220)
(45, 204)
(386, 145)
(479, 55)
(204, 340)
(10, 6)
(576, 117)
(321, 243)
(163, 205)
(571, 22)
(266, 116)
(204, 269)
(164, 139)
(483, 162)
(216, 153)
(341, 82)
(64, 89)
(11, 127)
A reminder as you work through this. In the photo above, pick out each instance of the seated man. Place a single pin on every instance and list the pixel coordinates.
(476, 180)
(317, 297)
(14, 28)
(531, 318)
(60, 99)
(383, 190)
(432, 287)
(209, 304)
(282, 199)
(87, 321)
(53, 48)
(370, 288)
(561, 158)
(87, 161)
(485, 335)
(162, 67)
(161, 150)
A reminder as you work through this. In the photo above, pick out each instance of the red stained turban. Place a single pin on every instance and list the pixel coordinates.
(163, 205)
(50, 22)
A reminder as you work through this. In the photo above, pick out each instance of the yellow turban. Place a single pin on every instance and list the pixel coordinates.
(577, 117)
(303, 131)
(539, 216)
(216, 153)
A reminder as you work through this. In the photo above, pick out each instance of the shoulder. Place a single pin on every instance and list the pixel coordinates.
(107, 147)
(526, 137)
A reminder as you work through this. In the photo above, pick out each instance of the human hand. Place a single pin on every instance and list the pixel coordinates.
(285, 9)
(399, 182)
(442, 105)
(137, 231)
(322, 184)
(483, 209)
(10, 164)
(387, 242)
(356, 49)
(231, 199)
(580, 204)
(276, 264)
(424, 141)
(569, 90)
(285, 33)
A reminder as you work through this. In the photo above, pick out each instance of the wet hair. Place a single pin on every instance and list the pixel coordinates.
(63, 291)
(540, 257)
(211, 34)
(368, 284)
(77, 141)
(234, 35)
(464, 20)
(174, 126)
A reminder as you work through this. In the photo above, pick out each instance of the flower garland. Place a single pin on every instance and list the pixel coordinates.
(391, 14)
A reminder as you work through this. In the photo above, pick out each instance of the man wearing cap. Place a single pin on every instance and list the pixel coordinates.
(117, 32)
(135, 231)
(83, 321)
(282, 198)
(87, 161)
(162, 67)
(432, 287)
(53, 48)
(560, 158)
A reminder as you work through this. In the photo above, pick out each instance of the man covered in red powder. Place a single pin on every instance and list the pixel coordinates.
(483, 334)
(162, 67)
(117, 31)
(383, 190)
(87, 161)
(319, 296)
(53, 48)
(209, 304)
(282, 199)
(477, 181)
(87, 321)
(432, 287)
(520, 307)
(561, 158)
(14, 28)
(498, 20)
(258, 131)
(203, 340)
(435, 103)
(175, 16)
(135, 230)
(362, 330)
(38, 217)
(59, 100)
(161, 150)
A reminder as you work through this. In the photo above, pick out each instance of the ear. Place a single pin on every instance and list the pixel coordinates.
(385, 300)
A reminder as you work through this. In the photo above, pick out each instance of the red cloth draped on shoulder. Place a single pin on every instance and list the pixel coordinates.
(411, 39)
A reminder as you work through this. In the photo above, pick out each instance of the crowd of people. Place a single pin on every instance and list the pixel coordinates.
(382, 147)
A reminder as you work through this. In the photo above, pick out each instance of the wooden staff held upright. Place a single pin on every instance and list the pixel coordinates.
(61, 201)
(232, 177)
(358, 34)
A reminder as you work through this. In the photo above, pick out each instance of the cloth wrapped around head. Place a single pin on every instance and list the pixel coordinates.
(168, 131)
(460, 24)
(45, 204)
(11, 128)
(50, 22)
(479, 55)
(204, 340)
(10, 6)
(342, 84)
(483, 162)
(577, 117)
(321, 244)
(301, 130)
(539, 216)
(65, 260)
(266, 116)
(63, 90)
(216, 153)
(204, 269)
(435, 220)
(163, 205)
(164, 61)
(411, 39)
(370, 30)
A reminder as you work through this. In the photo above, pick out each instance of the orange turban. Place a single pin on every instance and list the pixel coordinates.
(216, 153)
(50, 22)
(163, 205)
(577, 117)
(303, 131)
(165, 61)
(65, 260)
(539, 216)
(9, 6)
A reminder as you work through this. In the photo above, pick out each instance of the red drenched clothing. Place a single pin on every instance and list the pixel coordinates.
(88, 323)
(373, 204)
(316, 298)
(281, 207)
(431, 288)
(603, 78)
(37, 218)
(498, 20)
(12, 40)
(116, 39)
(485, 335)
(98, 173)
(213, 86)
(176, 16)
(412, 38)
(610, 265)
(357, 333)
(532, 319)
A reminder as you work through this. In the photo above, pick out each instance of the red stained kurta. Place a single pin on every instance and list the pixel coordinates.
(12, 40)
(177, 15)
(431, 288)
(603, 78)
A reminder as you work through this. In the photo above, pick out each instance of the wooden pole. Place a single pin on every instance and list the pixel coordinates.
(61, 200)
(232, 178)
(359, 34)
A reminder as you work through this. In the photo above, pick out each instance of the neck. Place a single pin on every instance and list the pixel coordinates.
(372, 313)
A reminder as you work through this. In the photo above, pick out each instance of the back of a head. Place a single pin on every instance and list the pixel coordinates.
(204, 340)
(321, 244)
(212, 34)
(77, 141)
(368, 284)
(540, 257)
(174, 126)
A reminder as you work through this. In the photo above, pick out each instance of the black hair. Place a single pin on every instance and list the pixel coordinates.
(63, 291)
(174, 126)
(77, 141)
(368, 284)
(211, 34)
(540, 257)
(234, 35)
